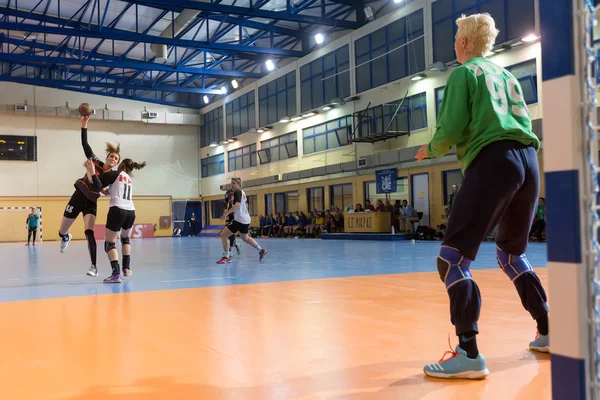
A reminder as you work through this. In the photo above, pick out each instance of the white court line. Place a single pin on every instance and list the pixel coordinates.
(199, 279)
(312, 302)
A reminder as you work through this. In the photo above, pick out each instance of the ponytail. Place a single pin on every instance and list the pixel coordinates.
(111, 148)
(129, 165)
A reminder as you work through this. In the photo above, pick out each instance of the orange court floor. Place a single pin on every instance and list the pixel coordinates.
(314, 320)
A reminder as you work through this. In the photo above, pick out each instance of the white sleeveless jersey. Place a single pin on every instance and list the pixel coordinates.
(242, 215)
(121, 192)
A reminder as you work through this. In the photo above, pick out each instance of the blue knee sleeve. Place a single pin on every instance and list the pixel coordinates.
(452, 266)
(512, 265)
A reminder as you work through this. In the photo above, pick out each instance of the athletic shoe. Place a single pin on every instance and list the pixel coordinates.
(224, 260)
(27, 244)
(541, 343)
(64, 243)
(262, 254)
(93, 271)
(459, 366)
(238, 247)
(127, 272)
(113, 279)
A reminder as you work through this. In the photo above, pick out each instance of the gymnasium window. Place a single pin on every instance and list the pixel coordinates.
(401, 192)
(252, 205)
(217, 208)
(452, 177)
(526, 74)
(268, 204)
(277, 99)
(244, 157)
(286, 202)
(279, 148)
(341, 195)
(213, 165)
(241, 115)
(315, 89)
(514, 19)
(439, 97)
(328, 135)
(386, 54)
(212, 130)
(316, 197)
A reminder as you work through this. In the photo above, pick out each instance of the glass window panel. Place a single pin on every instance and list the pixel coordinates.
(414, 22)
(443, 39)
(305, 93)
(308, 146)
(520, 18)
(305, 72)
(523, 69)
(416, 56)
(320, 143)
(317, 92)
(361, 46)
(291, 101)
(272, 87)
(378, 39)
(317, 67)
(291, 79)
(441, 9)
(363, 77)
(397, 30)
(281, 105)
(460, 5)
(332, 140)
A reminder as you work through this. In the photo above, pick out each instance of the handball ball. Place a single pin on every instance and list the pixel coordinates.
(85, 109)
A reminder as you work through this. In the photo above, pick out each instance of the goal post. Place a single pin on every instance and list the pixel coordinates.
(570, 151)
(12, 223)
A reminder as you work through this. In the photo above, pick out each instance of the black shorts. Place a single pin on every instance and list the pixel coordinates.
(80, 204)
(119, 219)
(235, 227)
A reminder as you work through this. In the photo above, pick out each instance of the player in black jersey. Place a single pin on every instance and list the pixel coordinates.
(85, 198)
(228, 204)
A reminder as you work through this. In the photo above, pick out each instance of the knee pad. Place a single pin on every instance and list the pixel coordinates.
(124, 241)
(108, 246)
(453, 267)
(513, 265)
(89, 233)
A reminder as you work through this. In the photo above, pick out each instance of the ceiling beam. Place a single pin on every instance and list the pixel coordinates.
(117, 34)
(127, 64)
(246, 11)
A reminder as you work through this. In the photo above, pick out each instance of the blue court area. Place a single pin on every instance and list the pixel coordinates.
(28, 273)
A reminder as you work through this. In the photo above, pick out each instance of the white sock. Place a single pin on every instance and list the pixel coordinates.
(258, 248)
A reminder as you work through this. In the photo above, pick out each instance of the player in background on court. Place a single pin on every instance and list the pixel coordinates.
(32, 226)
(121, 216)
(228, 204)
(484, 114)
(85, 198)
(241, 223)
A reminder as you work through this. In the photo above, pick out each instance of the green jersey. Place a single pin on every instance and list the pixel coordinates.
(483, 103)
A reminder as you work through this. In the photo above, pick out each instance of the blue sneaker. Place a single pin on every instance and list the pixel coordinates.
(541, 343)
(459, 366)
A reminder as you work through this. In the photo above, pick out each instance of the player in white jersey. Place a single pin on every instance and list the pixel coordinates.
(121, 216)
(241, 223)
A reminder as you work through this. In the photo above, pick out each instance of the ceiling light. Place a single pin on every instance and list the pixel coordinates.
(285, 119)
(397, 1)
(309, 114)
(260, 130)
(214, 144)
(231, 140)
(438, 66)
(224, 89)
(319, 38)
(327, 107)
(338, 102)
(418, 77)
(489, 54)
(530, 38)
(296, 118)
(205, 98)
(270, 65)
(234, 84)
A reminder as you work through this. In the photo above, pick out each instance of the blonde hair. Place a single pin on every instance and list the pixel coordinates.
(480, 32)
(237, 180)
